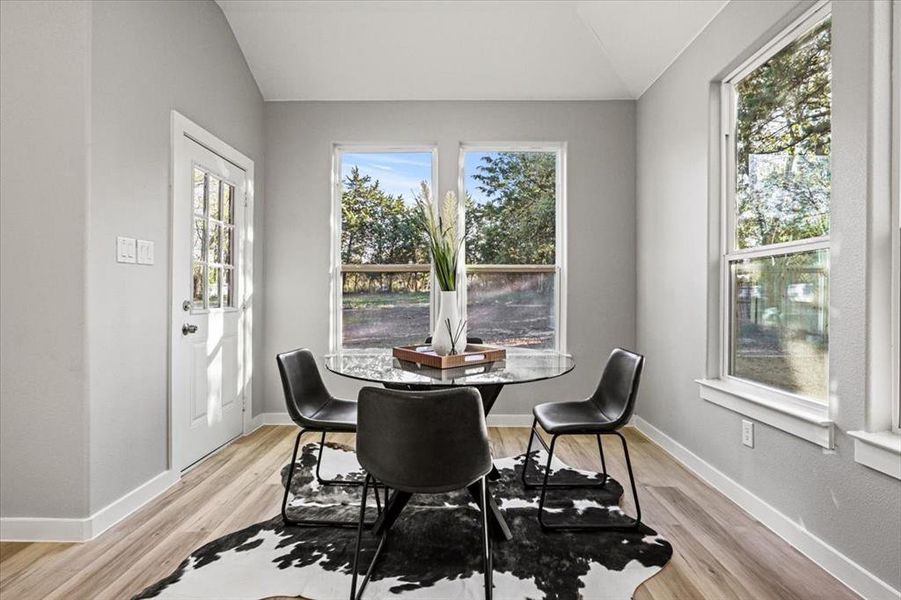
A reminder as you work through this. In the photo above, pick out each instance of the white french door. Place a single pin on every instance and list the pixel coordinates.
(208, 291)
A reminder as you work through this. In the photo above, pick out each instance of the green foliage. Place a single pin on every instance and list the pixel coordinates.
(783, 142)
(377, 228)
(516, 225)
(440, 230)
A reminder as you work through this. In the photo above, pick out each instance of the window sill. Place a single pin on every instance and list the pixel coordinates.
(808, 422)
(880, 451)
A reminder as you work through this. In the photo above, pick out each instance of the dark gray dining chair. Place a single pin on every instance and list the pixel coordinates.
(604, 413)
(314, 410)
(429, 442)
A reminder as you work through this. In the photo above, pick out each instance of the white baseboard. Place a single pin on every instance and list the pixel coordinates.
(282, 418)
(30, 529)
(840, 566)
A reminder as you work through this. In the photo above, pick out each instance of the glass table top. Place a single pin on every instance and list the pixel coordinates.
(379, 366)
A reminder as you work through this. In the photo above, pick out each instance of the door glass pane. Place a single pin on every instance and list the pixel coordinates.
(228, 245)
(215, 243)
(227, 276)
(783, 140)
(512, 309)
(214, 295)
(198, 192)
(780, 324)
(214, 197)
(228, 191)
(197, 284)
(199, 239)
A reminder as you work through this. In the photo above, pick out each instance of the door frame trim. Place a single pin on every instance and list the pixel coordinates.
(181, 126)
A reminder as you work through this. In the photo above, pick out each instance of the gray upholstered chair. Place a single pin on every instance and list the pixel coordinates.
(604, 413)
(422, 443)
(314, 410)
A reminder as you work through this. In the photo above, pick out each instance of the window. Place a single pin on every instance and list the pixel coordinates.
(777, 215)
(382, 293)
(514, 262)
(213, 257)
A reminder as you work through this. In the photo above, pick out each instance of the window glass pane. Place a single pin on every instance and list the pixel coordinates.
(783, 140)
(510, 207)
(228, 245)
(199, 235)
(213, 283)
(383, 310)
(198, 191)
(227, 192)
(197, 284)
(512, 309)
(780, 325)
(378, 195)
(227, 292)
(215, 245)
(213, 196)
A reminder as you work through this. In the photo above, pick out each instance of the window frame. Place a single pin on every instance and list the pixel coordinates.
(895, 79)
(729, 252)
(560, 228)
(233, 295)
(336, 267)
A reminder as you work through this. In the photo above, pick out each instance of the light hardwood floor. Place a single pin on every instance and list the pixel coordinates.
(720, 551)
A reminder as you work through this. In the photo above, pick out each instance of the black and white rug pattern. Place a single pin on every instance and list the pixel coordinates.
(433, 551)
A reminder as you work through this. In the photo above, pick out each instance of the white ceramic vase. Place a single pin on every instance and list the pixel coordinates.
(448, 310)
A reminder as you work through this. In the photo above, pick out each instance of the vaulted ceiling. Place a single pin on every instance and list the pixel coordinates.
(462, 50)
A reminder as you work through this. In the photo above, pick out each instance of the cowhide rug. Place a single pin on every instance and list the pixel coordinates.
(433, 551)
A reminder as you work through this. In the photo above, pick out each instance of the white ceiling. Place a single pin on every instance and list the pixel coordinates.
(462, 50)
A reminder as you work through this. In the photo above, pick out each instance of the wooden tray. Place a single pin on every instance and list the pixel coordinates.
(475, 354)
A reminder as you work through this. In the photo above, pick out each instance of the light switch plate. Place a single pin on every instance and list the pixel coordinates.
(145, 252)
(126, 250)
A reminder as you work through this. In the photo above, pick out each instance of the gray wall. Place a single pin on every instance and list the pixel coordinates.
(45, 65)
(87, 93)
(601, 207)
(149, 58)
(852, 508)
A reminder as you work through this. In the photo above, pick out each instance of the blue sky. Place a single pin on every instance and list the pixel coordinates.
(400, 172)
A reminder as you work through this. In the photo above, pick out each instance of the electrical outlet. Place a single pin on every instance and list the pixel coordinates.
(747, 433)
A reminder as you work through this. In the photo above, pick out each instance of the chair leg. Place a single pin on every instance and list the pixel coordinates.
(486, 543)
(603, 462)
(353, 581)
(309, 522)
(354, 595)
(525, 464)
(332, 481)
(529, 485)
(636, 521)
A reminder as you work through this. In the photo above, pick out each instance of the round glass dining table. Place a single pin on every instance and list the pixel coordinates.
(520, 366)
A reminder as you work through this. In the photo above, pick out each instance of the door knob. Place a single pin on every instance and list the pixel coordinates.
(187, 328)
